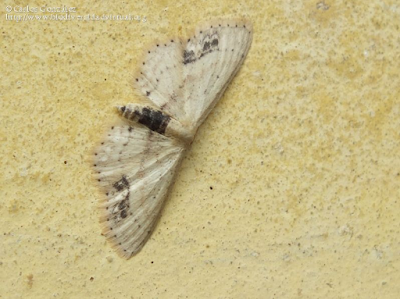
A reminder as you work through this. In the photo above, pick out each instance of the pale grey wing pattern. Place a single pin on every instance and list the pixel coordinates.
(186, 78)
(161, 77)
(135, 169)
(212, 57)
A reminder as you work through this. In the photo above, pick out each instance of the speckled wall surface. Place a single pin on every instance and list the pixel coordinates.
(292, 186)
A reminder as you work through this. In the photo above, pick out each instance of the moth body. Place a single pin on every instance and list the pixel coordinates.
(158, 121)
(137, 161)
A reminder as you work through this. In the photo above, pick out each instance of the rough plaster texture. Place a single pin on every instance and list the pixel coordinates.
(292, 186)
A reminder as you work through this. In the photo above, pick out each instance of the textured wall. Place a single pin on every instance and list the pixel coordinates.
(292, 186)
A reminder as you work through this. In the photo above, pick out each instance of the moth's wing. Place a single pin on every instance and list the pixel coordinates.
(186, 79)
(160, 78)
(135, 168)
(211, 59)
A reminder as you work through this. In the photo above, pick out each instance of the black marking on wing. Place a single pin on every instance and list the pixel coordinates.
(207, 46)
(121, 184)
(123, 206)
(189, 57)
(214, 43)
(210, 44)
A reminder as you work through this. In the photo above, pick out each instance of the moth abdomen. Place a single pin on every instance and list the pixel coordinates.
(155, 120)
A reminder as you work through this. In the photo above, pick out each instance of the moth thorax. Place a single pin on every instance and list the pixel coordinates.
(177, 130)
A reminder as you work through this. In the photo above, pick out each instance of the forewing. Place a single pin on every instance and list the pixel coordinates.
(211, 59)
(186, 79)
(161, 77)
(135, 168)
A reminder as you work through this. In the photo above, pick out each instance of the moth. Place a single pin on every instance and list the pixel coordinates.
(136, 163)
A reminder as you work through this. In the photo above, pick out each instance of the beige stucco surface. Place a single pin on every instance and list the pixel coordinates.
(291, 188)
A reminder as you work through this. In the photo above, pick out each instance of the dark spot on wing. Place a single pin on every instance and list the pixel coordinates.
(124, 203)
(206, 46)
(210, 45)
(188, 57)
(122, 208)
(121, 184)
